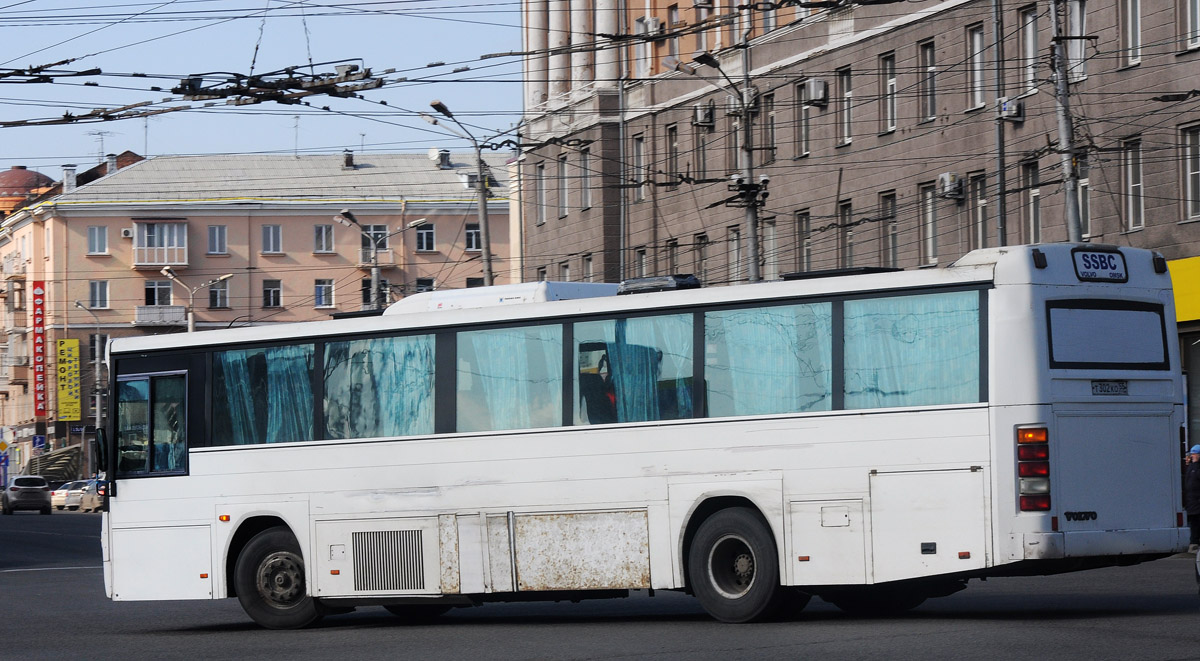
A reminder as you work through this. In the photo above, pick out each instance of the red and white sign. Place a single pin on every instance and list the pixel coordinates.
(39, 348)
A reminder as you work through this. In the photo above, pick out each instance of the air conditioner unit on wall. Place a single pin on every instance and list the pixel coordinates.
(704, 115)
(950, 186)
(1011, 109)
(126, 232)
(816, 92)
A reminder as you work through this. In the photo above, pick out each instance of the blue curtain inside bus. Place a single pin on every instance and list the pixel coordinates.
(912, 350)
(768, 360)
(263, 395)
(509, 378)
(379, 387)
(633, 370)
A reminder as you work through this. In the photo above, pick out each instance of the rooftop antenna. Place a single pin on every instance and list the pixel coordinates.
(100, 137)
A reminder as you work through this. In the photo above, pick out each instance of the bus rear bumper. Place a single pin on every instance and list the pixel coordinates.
(1085, 543)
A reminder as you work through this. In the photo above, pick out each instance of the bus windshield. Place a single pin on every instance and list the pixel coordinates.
(1084, 335)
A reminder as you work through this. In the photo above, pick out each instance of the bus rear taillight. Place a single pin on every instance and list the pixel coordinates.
(1033, 468)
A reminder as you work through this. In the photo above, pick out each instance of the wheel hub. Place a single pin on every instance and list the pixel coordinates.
(731, 566)
(280, 579)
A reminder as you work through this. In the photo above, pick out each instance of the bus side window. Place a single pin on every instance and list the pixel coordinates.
(152, 424)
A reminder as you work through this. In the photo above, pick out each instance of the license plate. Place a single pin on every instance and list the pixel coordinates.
(1098, 266)
(1110, 387)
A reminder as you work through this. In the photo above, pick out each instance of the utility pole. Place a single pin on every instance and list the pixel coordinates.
(1066, 128)
(748, 155)
(1001, 167)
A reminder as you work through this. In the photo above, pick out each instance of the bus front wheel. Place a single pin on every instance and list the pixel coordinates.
(269, 578)
(733, 567)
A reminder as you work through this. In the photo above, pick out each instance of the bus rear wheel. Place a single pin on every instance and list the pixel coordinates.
(733, 567)
(269, 578)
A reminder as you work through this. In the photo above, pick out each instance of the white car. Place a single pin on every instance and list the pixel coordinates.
(60, 498)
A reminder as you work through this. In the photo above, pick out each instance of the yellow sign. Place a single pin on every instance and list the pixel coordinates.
(3, 446)
(68, 381)
(1185, 278)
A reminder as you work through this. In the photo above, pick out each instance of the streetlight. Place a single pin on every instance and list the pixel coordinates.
(752, 192)
(480, 184)
(191, 314)
(345, 217)
(96, 396)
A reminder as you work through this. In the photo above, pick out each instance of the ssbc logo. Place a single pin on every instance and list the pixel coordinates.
(1080, 516)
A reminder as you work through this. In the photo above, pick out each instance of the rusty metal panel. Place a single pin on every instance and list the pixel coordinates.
(448, 551)
(582, 551)
(472, 554)
(499, 553)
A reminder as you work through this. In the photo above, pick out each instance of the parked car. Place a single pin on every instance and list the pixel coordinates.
(92, 496)
(61, 497)
(26, 492)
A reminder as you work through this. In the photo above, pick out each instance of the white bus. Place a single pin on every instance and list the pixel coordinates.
(873, 439)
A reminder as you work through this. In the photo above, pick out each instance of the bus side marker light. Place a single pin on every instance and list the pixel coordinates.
(335, 572)
(964, 555)
(1034, 435)
(1054, 523)
(803, 558)
(224, 518)
(203, 575)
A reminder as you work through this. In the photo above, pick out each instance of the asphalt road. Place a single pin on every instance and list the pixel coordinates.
(52, 606)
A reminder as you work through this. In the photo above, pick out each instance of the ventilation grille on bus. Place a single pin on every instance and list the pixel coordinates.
(389, 560)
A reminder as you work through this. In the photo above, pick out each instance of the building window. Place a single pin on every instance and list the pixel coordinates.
(472, 237)
(585, 178)
(890, 234)
(539, 193)
(564, 272)
(96, 345)
(1085, 207)
(97, 294)
(425, 239)
(770, 244)
(1131, 31)
(770, 18)
(977, 210)
(673, 24)
(97, 240)
(1032, 202)
(845, 104)
(474, 282)
(640, 269)
(323, 293)
(672, 137)
(639, 168)
(976, 66)
(160, 243)
(373, 236)
(733, 155)
(1076, 27)
(735, 255)
(887, 93)
(383, 291)
(1191, 172)
(927, 195)
(589, 273)
(426, 284)
(927, 83)
(1191, 23)
(1131, 152)
(701, 257)
(804, 257)
(767, 124)
(563, 209)
(272, 238)
(803, 119)
(1030, 55)
(540, 274)
(702, 35)
(216, 240)
(322, 238)
(845, 234)
(272, 293)
(218, 294)
(158, 292)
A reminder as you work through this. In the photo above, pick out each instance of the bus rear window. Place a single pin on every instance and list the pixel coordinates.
(1107, 335)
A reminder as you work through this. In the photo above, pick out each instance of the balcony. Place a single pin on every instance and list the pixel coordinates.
(156, 245)
(387, 259)
(160, 315)
(14, 266)
(16, 360)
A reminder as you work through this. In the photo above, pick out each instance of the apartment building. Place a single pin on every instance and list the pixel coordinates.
(879, 129)
(220, 241)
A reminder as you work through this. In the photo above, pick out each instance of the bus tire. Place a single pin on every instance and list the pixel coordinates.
(733, 567)
(270, 584)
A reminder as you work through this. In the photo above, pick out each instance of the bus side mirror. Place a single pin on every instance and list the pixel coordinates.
(100, 450)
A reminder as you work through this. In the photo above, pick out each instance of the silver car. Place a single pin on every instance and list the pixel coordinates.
(26, 492)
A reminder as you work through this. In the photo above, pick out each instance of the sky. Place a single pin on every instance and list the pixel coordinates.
(139, 45)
